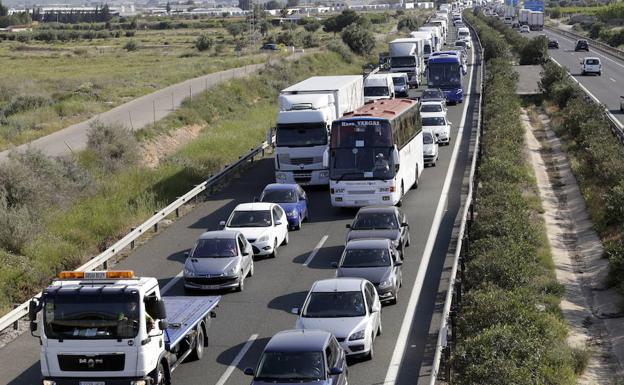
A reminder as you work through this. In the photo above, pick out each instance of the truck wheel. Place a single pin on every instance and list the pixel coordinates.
(198, 349)
(158, 375)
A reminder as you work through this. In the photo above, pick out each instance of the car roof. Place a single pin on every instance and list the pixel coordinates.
(281, 186)
(436, 114)
(432, 101)
(298, 341)
(591, 58)
(220, 234)
(337, 284)
(377, 209)
(254, 206)
(368, 243)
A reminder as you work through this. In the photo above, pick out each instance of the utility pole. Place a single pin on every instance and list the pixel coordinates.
(252, 25)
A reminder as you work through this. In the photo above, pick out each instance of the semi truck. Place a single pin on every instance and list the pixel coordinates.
(406, 55)
(536, 21)
(436, 31)
(307, 110)
(428, 43)
(112, 328)
(523, 16)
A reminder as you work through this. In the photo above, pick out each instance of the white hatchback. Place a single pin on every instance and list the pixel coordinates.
(264, 225)
(349, 308)
(438, 125)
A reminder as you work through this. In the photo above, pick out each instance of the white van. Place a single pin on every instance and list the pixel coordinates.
(591, 65)
(378, 86)
(463, 33)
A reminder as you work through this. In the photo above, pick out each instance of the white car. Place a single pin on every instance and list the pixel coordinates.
(438, 125)
(429, 106)
(591, 65)
(264, 225)
(468, 42)
(430, 148)
(525, 29)
(349, 308)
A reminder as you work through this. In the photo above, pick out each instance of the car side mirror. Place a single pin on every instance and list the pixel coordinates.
(155, 308)
(249, 371)
(335, 371)
(334, 265)
(376, 307)
(278, 223)
(33, 309)
(295, 310)
(348, 225)
(404, 224)
(398, 262)
(186, 254)
(326, 158)
(222, 224)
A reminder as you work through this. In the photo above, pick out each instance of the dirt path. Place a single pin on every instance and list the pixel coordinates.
(577, 254)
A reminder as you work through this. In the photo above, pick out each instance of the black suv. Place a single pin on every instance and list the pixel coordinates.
(581, 45)
(552, 43)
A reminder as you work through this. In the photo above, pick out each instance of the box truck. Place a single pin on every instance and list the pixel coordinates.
(406, 55)
(536, 21)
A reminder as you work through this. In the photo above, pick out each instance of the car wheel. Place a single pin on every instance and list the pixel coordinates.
(371, 352)
(158, 375)
(252, 270)
(286, 240)
(241, 282)
(274, 253)
(408, 239)
(379, 330)
(300, 224)
(395, 296)
(198, 349)
(599, 73)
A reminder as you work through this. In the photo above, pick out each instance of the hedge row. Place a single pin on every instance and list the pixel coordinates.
(509, 330)
(50, 35)
(598, 161)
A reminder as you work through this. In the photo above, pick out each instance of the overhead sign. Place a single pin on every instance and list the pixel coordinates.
(534, 5)
(511, 3)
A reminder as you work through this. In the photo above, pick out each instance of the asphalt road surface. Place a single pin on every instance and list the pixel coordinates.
(245, 321)
(607, 88)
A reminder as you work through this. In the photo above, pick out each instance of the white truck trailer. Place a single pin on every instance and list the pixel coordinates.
(112, 328)
(436, 31)
(428, 42)
(307, 110)
(406, 55)
(536, 21)
(523, 16)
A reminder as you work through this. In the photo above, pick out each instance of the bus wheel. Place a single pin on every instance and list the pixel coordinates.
(400, 202)
(415, 185)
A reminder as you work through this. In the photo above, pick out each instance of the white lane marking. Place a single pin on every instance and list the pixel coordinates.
(598, 53)
(620, 125)
(315, 250)
(237, 360)
(171, 283)
(406, 325)
(613, 80)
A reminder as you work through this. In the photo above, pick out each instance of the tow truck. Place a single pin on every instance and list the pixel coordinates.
(112, 328)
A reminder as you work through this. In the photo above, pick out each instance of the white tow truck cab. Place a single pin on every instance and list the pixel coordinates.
(112, 328)
(307, 110)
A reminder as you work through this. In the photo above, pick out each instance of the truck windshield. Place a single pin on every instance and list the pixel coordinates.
(402, 61)
(376, 91)
(91, 315)
(291, 367)
(335, 304)
(301, 135)
(444, 75)
(360, 150)
(399, 81)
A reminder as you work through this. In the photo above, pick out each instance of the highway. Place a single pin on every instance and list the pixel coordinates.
(245, 321)
(606, 88)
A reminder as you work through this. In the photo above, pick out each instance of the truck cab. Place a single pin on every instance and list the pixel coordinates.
(110, 327)
(378, 86)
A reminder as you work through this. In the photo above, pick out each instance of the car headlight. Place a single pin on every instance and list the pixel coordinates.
(292, 213)
(359, 335)
(188, 273)
(263, 238)
(385, 283)
(396, 242)
(49, 382)
(324, 174)
(280, 176)
(232, 271)
(138, 382)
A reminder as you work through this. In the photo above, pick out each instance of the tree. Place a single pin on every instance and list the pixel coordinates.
(340, 22)
(245, 5)
(235, 29)
(168, 8)
(265, 26)
(273, 4)
(410, 23)
(358, 38)
(292, 3)
(4, 11)
(204, 42)
(284, 12)
(312, 27)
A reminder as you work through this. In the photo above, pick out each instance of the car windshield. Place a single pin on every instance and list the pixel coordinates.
(431, 108)
(366, 258)
(279, 196)
(399, 81)
(433, 121)
(215, 248)
(376, 91)
(291, 367)
(259, 218)
(336, 304)
(375, 221)
(460, 44)
(92, 315)
(301, 135)
(427, 138)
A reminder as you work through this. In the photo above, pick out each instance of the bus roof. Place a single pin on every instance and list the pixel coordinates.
(443, 59)
(383, 109)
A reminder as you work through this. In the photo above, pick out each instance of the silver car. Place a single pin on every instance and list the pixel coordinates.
(430, 148)
(219, 260)
(381, 222)
(375, 260)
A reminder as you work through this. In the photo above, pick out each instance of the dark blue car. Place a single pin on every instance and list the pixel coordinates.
(292, 198)
(302, 357)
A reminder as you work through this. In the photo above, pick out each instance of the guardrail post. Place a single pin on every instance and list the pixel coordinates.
(16, 323)
(155, 224)
(132, 242)
(105, 265)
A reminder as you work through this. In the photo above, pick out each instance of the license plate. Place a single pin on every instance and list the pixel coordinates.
(92, 383)
(361, 202)
(210, 287)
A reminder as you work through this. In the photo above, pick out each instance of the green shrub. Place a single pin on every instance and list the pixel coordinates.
(204, 42)
(535, 51)
(340, 48)
(114, 146)
(359, 39)
(409, 23)
(131, 45)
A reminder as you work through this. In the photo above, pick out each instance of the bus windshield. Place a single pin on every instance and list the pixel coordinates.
(361, 149)
(444, 75)
(301, 135)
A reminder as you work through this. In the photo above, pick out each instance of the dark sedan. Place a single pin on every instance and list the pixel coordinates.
(553, 43)
(581, 45)
(387, 222)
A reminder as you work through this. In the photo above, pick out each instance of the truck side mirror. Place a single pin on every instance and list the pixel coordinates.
(155, 308)
(33, 308)
(162, 324)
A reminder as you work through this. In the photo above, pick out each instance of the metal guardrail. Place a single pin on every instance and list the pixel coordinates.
(606, 48)
(453, 294)
(102, 259)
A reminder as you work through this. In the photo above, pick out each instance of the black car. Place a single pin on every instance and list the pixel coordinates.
(553, 43)
(382, 222)
(270, 46)
(581, 45)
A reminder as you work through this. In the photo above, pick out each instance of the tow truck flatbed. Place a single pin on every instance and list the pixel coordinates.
(184, 313)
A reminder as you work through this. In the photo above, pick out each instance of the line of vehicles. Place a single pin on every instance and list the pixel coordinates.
(112, 327)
